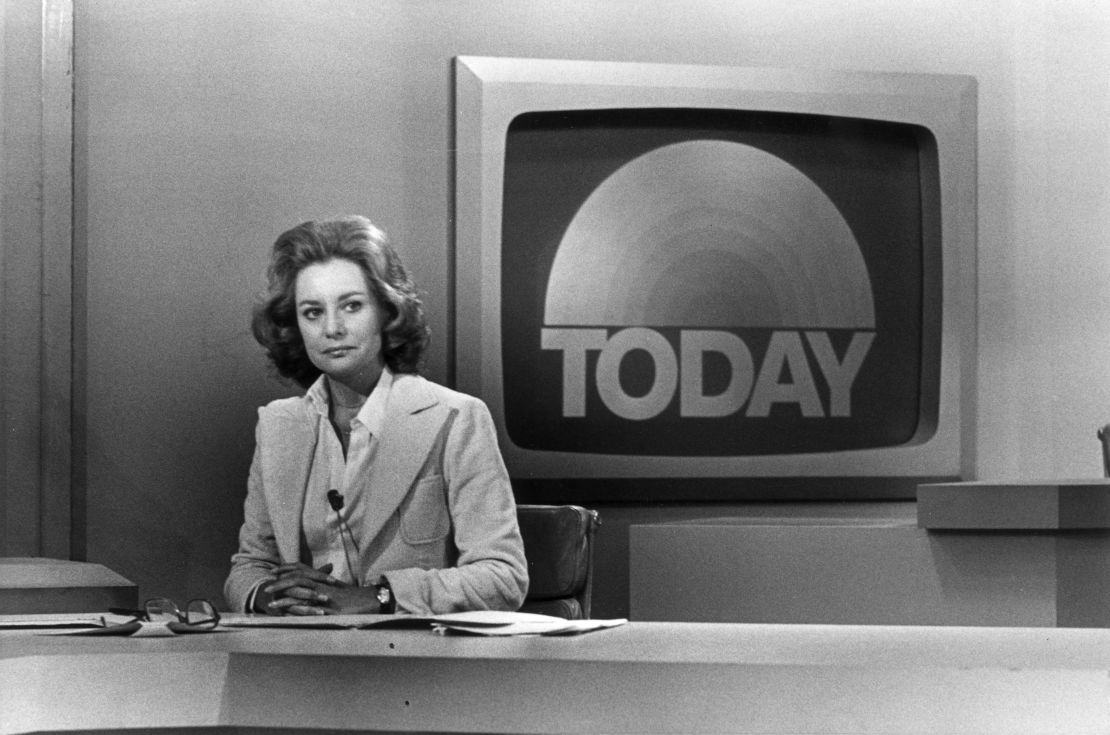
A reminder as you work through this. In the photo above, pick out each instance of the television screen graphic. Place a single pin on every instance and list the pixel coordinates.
(691, 282)
(678, 281)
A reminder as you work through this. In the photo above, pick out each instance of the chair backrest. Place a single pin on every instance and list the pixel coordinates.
(1104, 437)
(558, 544)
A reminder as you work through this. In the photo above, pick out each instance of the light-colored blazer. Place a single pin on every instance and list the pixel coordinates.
(442, 523)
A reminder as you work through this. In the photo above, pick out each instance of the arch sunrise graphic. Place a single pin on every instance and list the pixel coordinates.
(709, 233)
(708, 253)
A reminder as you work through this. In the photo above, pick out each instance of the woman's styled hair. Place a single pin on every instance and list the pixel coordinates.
(353, 238)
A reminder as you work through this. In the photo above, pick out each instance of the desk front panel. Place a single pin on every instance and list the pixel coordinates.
(644, 677)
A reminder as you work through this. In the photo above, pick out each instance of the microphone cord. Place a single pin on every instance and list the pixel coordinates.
(335, 500)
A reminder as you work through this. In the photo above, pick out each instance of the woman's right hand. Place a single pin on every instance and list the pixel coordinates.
(297, 589)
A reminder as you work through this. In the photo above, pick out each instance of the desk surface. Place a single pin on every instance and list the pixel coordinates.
(643, 677)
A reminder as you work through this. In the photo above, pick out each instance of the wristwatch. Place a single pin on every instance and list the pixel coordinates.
(386, 604)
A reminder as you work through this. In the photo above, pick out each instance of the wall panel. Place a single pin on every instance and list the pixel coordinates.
(36, 91)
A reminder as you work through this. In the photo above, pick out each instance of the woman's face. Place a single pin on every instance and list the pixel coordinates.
(341, 323)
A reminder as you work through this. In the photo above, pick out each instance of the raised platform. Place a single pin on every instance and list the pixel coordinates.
(1015, 506)
(41, 585)
(989, 554)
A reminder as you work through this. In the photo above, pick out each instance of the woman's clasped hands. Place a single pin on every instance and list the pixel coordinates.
(299, 589)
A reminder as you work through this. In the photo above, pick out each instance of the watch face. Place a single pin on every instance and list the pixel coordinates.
(385, 599)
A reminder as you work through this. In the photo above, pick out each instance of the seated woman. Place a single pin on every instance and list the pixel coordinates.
(377, 490)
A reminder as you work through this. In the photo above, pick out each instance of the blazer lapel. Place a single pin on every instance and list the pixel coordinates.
(412, 423)
(291, 441)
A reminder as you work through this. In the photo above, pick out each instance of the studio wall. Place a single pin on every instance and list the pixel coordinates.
(203, 129)
(36, 278)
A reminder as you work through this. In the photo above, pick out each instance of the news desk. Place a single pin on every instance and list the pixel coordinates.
(639, 678)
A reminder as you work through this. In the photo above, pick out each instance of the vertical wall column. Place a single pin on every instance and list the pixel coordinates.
(36, 279)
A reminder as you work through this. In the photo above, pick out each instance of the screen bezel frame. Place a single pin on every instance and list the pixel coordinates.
(491, 92)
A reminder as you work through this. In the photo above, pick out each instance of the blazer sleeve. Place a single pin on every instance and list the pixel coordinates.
(491, 572)
(258, 553)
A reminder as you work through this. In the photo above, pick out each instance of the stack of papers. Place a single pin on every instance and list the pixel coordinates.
(54, 621)
(476, 622)
(89, 624)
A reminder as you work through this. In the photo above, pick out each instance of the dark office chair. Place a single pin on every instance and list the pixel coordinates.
(1104, 437)
(558, 544)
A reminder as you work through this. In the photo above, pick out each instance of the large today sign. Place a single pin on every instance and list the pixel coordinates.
(689, 272)
(746, 387)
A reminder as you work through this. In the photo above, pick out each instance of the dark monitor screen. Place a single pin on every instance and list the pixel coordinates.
(733, 251)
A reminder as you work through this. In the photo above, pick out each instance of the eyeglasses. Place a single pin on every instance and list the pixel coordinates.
(198, 614)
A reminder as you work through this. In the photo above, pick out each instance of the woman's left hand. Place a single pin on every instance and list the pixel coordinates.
(344, 599)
